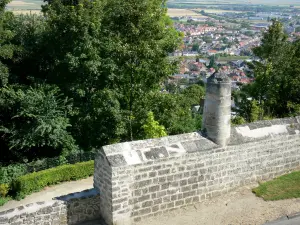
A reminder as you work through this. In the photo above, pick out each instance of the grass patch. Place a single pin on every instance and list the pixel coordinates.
(284, 187)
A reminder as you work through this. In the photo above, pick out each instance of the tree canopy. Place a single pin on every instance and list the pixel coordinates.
(276, 89)
(86, 74)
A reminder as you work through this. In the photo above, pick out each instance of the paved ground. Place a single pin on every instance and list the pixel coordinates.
(287, 220)
(51, 192)
(239, 207)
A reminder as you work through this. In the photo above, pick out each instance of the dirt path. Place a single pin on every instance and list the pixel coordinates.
(239, 207)
(51, 192)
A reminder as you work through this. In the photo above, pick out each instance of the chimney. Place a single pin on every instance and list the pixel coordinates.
(217, 108)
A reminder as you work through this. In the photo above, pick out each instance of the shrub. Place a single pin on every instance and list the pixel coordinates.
(11, 172)
(36, 181)
(4, 200)
(4, 188)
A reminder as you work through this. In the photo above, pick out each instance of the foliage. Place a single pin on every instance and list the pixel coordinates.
(194, 94)
(6, 48)
(275, 92)
(173, 111)
(249, 110)
(255, 111)
(36, 181)
(238, 120)
(284, 187)
(37, 117)
(4, 200)
(152, 128)
(4, 188)
(198, 121)
(11, 172)
(103, 123)
(105, 56)
(137, 39)
(212, 62)
(195, 47)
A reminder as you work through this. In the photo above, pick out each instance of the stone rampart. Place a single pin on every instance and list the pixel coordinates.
(146, 178)
(70, 209)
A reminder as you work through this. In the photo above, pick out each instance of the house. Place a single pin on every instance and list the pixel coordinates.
(238, 63)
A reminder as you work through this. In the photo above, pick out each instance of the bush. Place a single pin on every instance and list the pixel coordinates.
(36, 181)
(11, 172)
(4, 200)
(4, 188)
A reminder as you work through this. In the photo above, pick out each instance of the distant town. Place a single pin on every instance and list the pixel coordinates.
(222, 38)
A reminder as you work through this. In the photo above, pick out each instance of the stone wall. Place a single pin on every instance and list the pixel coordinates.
(69, 209)
(147, 178)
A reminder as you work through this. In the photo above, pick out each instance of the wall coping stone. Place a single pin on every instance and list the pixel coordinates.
(30, 208)
(89, 193)
(145, 151)
(267, 129)
(58, 201)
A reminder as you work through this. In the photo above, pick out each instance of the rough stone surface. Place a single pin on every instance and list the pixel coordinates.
(147, 178)
(160, 175)
(217, 108)
(68, 209)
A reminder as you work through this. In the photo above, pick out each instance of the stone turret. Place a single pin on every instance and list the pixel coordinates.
(217, 108)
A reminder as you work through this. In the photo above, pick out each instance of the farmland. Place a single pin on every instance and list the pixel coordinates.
(25, 6)
(182, 12)
(226, 2)
(176, 7)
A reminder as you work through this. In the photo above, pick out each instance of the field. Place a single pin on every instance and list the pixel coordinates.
(22, 6)
(226, 2)
(18, 5)
(19, 12)
(183, 12)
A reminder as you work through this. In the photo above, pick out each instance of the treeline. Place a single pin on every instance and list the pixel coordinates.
(86, 74)
(276, 90)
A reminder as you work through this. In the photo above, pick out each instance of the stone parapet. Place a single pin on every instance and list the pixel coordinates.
(151, 177)
(66, 210)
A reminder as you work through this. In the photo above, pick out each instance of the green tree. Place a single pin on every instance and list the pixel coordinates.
(172, 111)
(109, 57)
(137, 38)
(212, 62)
(121, 46)
(35, 118)
(194, 94)
(152, 128)
(195, 47)
(273, 42)
(277, 74)
(255, 111)
(6, 48)
(238, 120)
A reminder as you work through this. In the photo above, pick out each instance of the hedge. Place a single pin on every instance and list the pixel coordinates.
(13, 171)
(36, 181)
